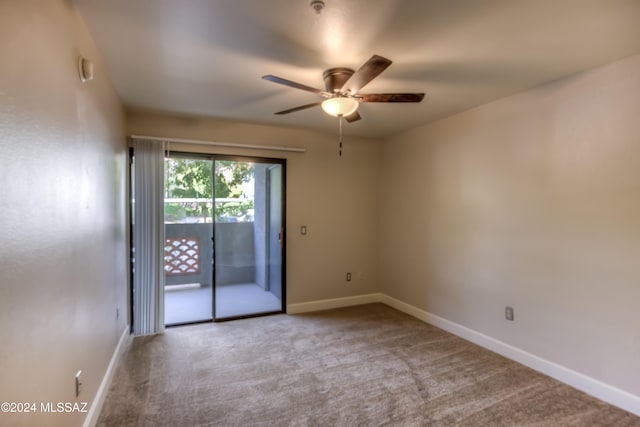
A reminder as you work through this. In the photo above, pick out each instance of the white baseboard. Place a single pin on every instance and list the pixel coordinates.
(327, 304)
(96, 405)
(602, 391)
(598, 389)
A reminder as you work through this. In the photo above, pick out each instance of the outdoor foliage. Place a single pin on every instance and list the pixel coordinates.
(192, 179)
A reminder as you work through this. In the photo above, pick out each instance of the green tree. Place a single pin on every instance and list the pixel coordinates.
(230, 176)
(188, 178)
(192, 178)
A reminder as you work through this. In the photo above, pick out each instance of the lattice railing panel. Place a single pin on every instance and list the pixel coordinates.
(182, 255)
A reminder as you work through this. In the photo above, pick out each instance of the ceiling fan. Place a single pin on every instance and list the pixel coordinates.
(342, 86)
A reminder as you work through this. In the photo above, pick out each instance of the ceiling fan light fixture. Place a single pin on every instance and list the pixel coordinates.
(339, 106)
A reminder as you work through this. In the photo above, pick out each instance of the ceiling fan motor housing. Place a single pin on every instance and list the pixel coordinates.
(335, 78)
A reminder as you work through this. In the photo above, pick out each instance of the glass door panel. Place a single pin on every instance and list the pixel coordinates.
(248, 238)
(275, 233)
(188, 213)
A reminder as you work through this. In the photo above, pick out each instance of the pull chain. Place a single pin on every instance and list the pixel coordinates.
(340, 146)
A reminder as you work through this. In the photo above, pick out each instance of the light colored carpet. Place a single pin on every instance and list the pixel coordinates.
(360, 366)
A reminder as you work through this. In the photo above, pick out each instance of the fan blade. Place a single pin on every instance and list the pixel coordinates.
(302, 107)
(353, 117)
(369, 71)
(295, 85)
(390, 97)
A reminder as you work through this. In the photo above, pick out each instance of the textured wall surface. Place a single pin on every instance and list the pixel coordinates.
(530, 201)
(63, 258)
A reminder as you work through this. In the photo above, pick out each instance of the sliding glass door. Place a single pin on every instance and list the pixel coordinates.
(224, 237)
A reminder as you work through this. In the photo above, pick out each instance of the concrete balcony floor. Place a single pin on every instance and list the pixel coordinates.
(193, 305)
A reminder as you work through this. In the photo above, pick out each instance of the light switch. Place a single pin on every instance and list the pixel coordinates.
(303, 230)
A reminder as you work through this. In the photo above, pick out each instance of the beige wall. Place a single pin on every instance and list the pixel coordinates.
(62, 212)
(532, 201)
(335, 197)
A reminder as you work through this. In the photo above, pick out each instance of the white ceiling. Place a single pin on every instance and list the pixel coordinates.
(206, 57)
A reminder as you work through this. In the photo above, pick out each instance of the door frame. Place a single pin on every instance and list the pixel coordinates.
(250, 159)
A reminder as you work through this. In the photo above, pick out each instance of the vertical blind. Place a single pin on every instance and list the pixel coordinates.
(148, 237)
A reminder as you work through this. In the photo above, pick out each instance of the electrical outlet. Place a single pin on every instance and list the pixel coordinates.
(508, 313)
(348, 277)
(78, 383)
